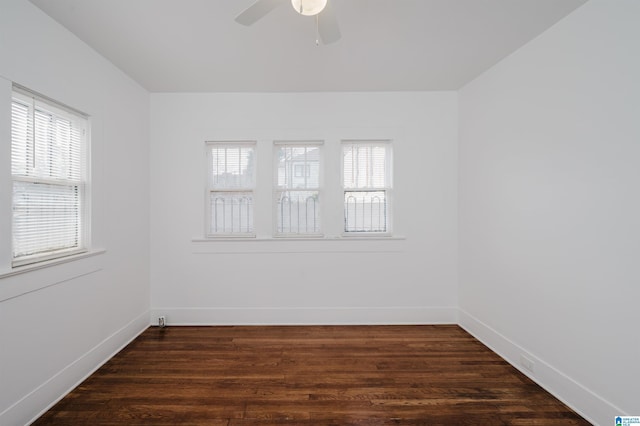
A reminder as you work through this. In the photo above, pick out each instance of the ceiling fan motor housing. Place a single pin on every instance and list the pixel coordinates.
(308, 7)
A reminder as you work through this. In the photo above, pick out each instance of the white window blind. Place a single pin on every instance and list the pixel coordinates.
(366, 179)
(232, 167)
(48, 168)
(297, 191)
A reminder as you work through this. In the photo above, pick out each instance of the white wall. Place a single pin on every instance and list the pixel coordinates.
(59, 323)
(549, 208)
(411, 279)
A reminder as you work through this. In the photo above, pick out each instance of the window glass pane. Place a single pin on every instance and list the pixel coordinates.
(57, 147)
(46, 218)
(45, 145)
(298, 212)
(365, 165)
(231, 212)
(298, 166)
(365, 211)
(232, 166)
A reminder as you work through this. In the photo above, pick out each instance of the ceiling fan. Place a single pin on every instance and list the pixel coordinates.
(327, 24)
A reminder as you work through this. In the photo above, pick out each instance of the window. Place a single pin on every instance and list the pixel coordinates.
(49, 145)
(297, 188)
(366, 181)
(296, 200)
(232, 167)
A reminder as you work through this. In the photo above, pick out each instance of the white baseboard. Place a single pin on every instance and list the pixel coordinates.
(53, 390)
(306, 316)
(592, 407)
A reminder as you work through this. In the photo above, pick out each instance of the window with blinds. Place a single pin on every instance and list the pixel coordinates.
(366, 180)
(231, 170)
(49, 175)
(297, 188)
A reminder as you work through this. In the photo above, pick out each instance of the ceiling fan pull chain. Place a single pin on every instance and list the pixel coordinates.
(317, 30)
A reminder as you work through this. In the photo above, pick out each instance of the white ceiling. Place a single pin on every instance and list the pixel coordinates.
(196, 46)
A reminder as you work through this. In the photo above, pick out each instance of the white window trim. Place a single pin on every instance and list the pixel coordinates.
(388, 189)
(26, 263)
(210, 188)
(274, 164)
(17, 270)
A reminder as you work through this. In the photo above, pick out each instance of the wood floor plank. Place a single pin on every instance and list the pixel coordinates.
(325, 375)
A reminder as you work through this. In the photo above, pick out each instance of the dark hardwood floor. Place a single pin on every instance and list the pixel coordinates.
(330, 375)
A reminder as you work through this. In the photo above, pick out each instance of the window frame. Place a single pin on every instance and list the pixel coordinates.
(211, 188)
(277, 144)
(35, 103)
(387, 188)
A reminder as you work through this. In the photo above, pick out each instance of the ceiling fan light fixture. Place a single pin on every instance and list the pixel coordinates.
(308, 7)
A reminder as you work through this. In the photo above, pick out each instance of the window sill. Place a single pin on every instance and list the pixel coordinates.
(31, 278)
(369, 237)
(307, 244)
(48, 263)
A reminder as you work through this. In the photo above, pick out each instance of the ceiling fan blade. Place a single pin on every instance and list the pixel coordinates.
(328, 25)
(257, 10)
